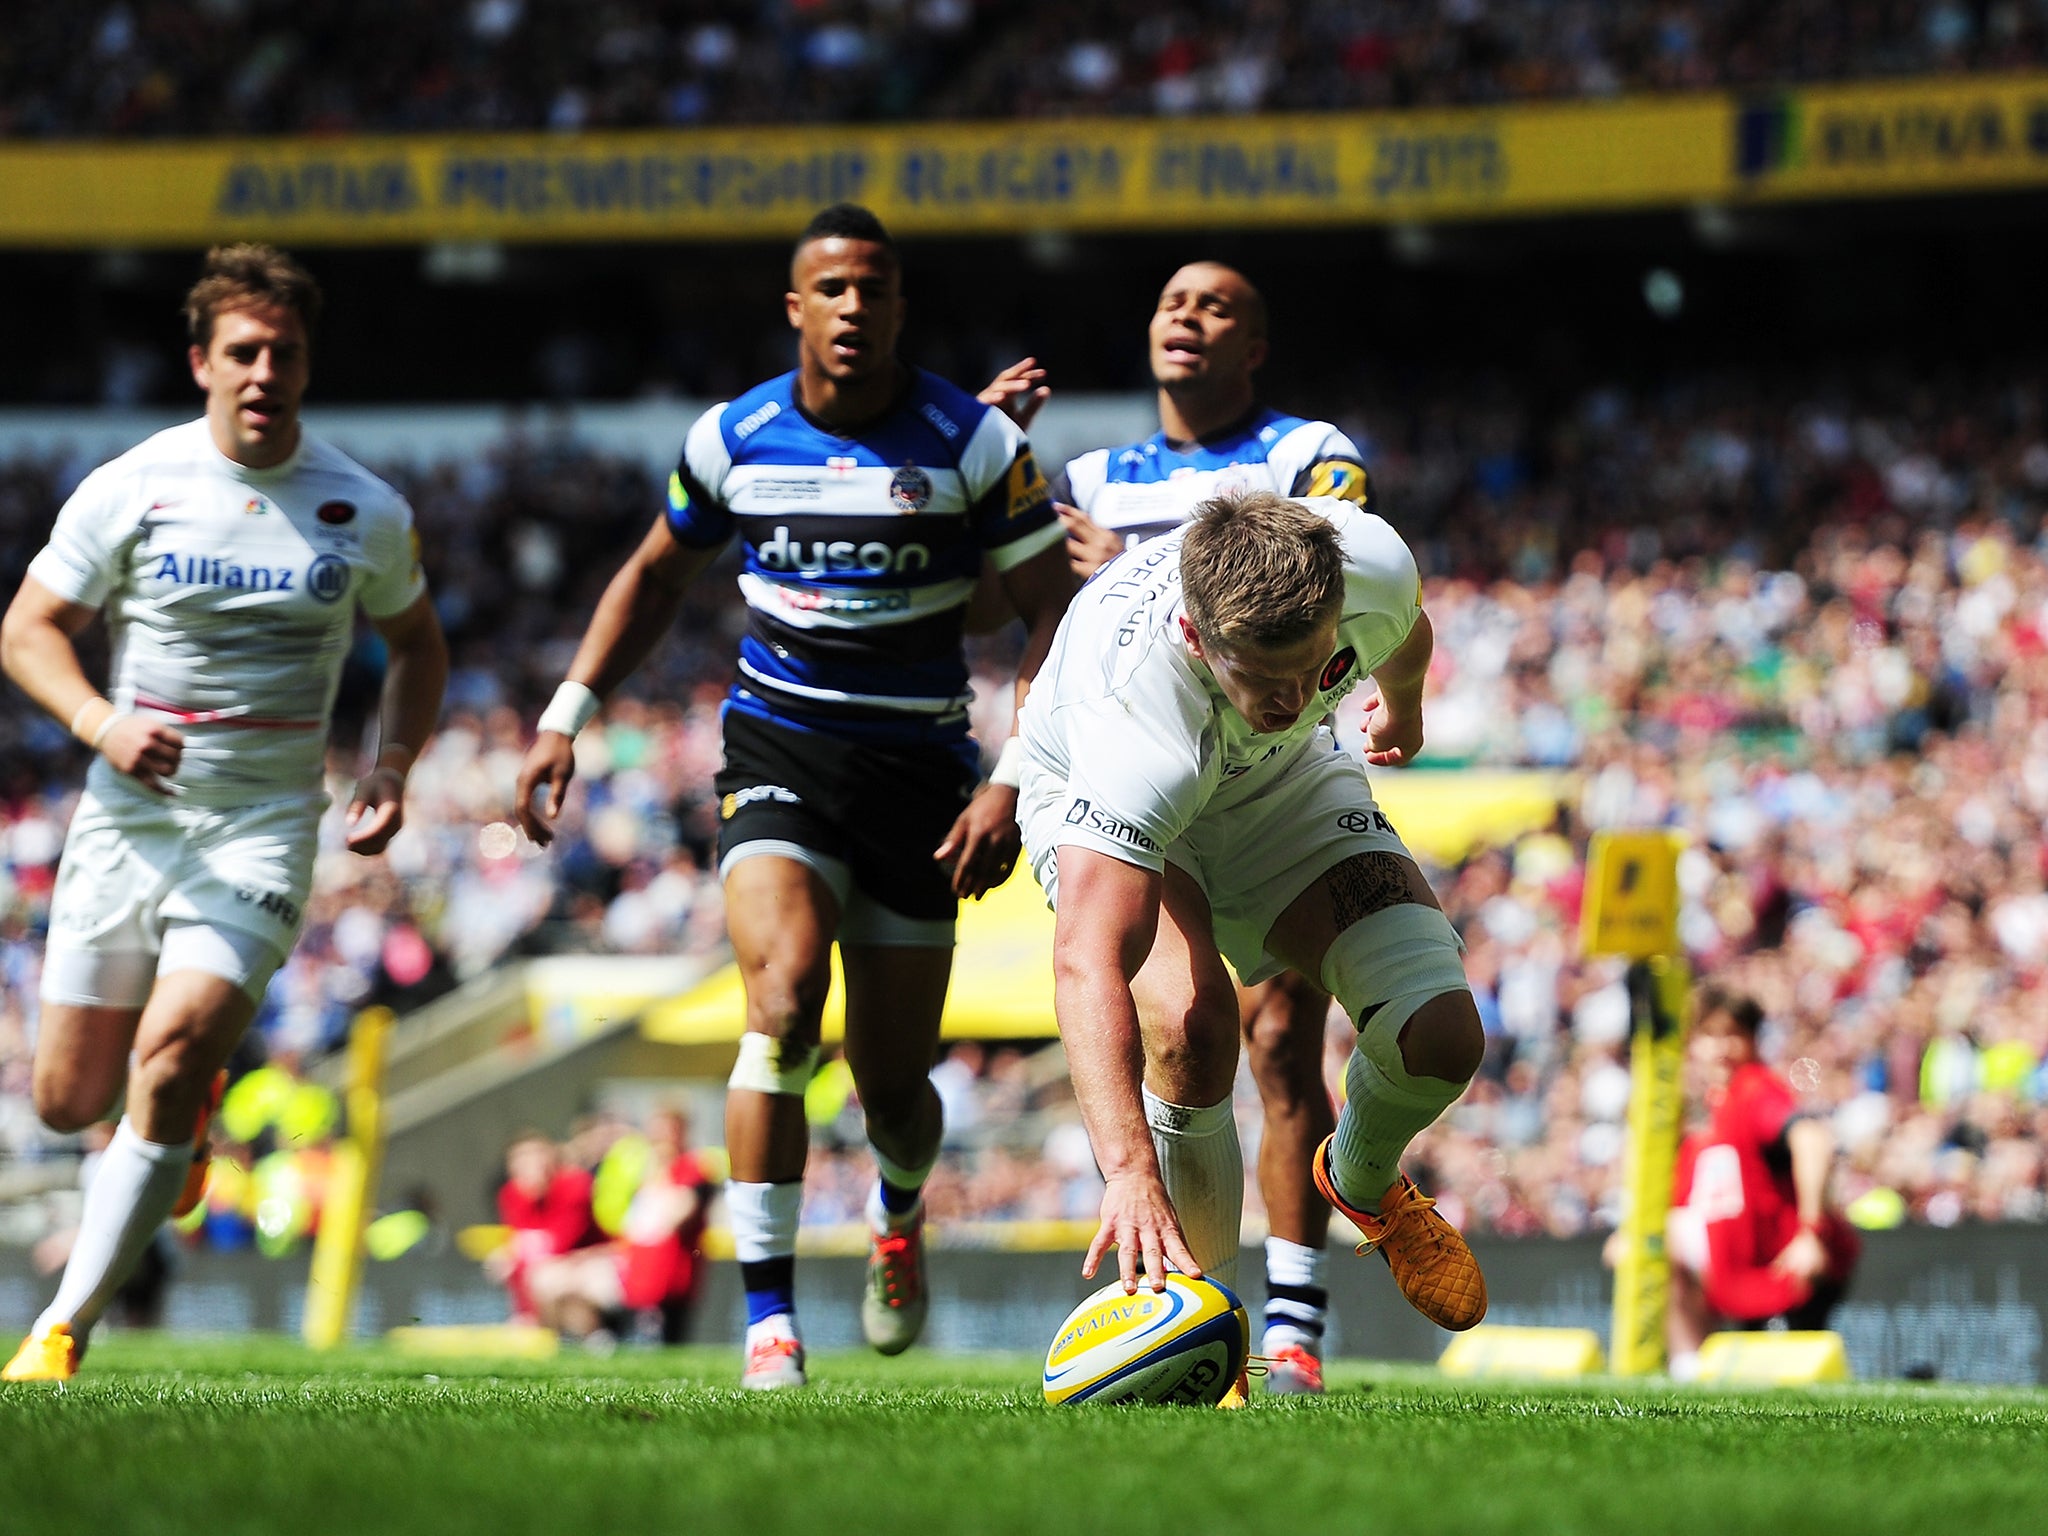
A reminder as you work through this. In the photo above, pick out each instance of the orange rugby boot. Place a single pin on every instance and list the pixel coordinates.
(51, 1355)
(1431, 1264)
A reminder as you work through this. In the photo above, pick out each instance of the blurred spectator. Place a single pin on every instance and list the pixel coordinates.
(166, 68)
(547, 1207)
(1805, 623)
(653, 1263)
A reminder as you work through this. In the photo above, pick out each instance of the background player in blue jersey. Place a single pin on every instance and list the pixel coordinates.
(866, 495)
(1208, 338)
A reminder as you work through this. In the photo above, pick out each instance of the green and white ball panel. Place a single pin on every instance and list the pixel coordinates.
(1185, 1344)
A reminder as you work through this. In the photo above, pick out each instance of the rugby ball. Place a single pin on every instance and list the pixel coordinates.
(1185, 1344)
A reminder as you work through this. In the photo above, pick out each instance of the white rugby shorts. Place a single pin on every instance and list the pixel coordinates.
(1251, 857)
(149, 885)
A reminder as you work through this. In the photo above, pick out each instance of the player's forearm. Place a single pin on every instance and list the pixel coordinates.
(410, 707)
(1040, 590)
(1098, 1024)
(1813, 1157)
(1402, 675)
(638, 608)
(42, 662)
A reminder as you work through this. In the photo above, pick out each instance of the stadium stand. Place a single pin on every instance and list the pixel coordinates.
(161, 68)
(1804, 621)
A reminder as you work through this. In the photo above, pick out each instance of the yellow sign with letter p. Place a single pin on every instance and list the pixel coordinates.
(1632, 894)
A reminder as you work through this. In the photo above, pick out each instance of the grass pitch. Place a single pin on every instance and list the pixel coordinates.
(258, 1436)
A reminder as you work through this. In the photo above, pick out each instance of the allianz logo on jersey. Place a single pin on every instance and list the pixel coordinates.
(827, 557)
(327, 578)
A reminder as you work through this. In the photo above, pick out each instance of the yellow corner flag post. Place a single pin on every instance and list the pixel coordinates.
(351, 1187)
(1632, 910)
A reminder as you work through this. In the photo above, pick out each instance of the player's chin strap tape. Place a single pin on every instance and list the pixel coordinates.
(768, 1065)
(1384, 967)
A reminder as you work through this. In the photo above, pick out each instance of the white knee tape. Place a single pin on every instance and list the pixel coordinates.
(768, 1065)
(1393, 962)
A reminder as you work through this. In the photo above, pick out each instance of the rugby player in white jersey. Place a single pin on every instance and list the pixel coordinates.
(229, 556)
(1183, 802)
(865, 495)
(1208, 337)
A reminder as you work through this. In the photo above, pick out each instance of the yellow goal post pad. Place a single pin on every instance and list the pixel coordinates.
(1500, 1350)
(1793, 1359)
(478, 1341)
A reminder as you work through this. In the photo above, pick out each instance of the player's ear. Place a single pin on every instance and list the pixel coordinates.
(1255, 356)
(1194, 641)
(196, 356)
(793, 307)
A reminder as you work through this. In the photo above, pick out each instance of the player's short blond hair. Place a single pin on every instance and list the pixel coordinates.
(1259, 571)
(248, 276)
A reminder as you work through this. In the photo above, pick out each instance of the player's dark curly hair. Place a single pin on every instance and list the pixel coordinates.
(846, 221)
(249, 276)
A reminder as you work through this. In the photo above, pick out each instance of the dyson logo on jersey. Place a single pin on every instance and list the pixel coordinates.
(822, 557)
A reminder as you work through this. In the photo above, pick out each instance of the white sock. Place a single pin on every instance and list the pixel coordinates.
(137, 1184)
(1203, 1167)
(1297, 1300)
(1385, 1108)
(764, 1219)
(880, 1218)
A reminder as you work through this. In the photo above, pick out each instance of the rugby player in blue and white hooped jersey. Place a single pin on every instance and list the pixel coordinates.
(866, 495)
(229, 557)
(1207, 340)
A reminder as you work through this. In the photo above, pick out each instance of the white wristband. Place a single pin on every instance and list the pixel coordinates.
(572, 708)
(1009, 770)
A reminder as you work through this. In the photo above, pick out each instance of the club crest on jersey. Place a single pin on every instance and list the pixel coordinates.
(1339, 668)
(335, 513)
(327, 578)
(910, 488)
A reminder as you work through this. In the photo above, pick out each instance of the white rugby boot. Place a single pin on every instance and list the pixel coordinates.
(775, 1355)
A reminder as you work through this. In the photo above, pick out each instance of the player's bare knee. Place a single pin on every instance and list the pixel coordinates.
(67, 1103)
(1285, 1048)
(1444, 1038)
(1195, 1060)
(786, 1006)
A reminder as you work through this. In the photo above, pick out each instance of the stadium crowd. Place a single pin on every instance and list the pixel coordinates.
(1806, 625)
(173, 68)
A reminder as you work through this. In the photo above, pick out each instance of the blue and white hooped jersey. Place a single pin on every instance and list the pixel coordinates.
(1148, 488)
(861, 551)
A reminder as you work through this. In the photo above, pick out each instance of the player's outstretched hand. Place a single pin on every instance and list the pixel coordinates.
(1018, 391)
(1138, 1221)
(376, 811)
(148, 751)
(1391, 740)
(550, 761)
(1089, 546)
(982, 847)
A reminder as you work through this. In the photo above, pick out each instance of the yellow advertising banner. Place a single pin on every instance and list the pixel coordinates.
(1011, 178)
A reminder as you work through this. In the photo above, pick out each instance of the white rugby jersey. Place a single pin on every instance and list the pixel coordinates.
(1145, 489)
(1136, 726)
(230, 596)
